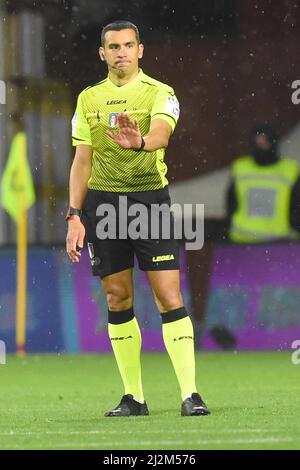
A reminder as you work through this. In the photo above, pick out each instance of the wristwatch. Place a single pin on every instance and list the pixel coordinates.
(73, 211)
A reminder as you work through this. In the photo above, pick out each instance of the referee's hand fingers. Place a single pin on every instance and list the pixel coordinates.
(74, 255)
(80, 240)
(124, 120)
(73, 248)
(111, 134)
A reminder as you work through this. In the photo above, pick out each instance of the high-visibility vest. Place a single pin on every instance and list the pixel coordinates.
(263, 200)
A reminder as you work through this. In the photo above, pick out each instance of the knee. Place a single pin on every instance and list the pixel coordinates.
(169, 301)
(118, 298)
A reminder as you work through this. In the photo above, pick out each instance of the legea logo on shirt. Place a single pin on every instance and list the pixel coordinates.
(172, 106)
(113, 117)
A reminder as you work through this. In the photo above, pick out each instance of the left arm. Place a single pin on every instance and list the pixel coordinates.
(158, 136)
(129, 135)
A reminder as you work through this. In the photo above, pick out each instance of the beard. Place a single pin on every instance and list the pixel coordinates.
(120, 73)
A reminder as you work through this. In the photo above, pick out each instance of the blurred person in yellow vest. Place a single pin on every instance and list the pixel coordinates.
(263, 198)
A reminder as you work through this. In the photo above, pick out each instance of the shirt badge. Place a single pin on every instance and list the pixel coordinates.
(113, 117)
(172, 106)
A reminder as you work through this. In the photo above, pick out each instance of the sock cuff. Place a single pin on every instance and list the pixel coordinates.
(123, 316)
(174, 315)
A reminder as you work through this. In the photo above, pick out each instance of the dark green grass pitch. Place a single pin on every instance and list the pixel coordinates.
(57, 402)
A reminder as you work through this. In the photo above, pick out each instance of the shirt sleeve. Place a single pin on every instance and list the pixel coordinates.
(80, 128)
(166, 107)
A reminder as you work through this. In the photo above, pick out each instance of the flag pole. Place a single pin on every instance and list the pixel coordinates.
(21, 254)
(21, 278)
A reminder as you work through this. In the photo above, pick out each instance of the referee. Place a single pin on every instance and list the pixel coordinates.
(121, 129)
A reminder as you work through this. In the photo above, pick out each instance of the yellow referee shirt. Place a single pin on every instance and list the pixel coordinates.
(113, 168)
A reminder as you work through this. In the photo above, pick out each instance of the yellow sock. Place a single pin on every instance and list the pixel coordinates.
(126, 343)
(178, 337)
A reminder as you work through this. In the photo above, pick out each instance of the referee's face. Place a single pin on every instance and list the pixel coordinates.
(121, 52)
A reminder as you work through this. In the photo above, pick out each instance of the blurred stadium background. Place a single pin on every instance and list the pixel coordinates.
(232, 64)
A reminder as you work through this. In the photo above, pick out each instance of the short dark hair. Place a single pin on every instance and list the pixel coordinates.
(118, 26)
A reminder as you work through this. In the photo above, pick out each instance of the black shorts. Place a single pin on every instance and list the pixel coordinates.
(155, 251)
